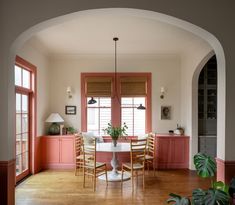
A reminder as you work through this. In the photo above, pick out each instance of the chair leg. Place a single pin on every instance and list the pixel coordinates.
(132, 180)
(106, 176)
(122, 177)
(143, 179)
(84, 178)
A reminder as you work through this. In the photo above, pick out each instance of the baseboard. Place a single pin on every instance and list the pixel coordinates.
(225, 170)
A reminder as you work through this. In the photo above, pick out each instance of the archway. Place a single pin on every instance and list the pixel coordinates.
(203, 34)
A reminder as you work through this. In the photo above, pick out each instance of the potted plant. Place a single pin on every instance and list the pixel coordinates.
(218, 194)
(115, 132)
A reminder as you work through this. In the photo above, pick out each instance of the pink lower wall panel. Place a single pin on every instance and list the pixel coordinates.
(225, 170)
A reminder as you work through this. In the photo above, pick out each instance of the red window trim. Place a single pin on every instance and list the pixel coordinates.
(116, 108)
(33, 109)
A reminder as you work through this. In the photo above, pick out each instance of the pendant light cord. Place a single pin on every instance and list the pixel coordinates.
(115, 74)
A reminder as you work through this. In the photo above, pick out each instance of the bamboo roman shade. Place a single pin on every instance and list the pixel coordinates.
(133, 86)
(98, 86)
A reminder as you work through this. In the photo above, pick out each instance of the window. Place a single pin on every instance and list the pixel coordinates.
(135, 119)
(133, 89)
(98, 115)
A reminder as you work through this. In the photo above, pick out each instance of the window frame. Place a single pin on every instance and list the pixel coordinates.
(115, 105)
(32, 93)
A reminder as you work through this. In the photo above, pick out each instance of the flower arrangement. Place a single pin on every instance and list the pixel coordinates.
(116, 131)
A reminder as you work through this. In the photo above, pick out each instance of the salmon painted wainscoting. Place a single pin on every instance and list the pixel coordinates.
(225, 170)
(7, 182)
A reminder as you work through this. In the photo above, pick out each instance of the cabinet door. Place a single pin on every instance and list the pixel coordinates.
(163, 149)
(67, 152)
(178, 152)
(50, 150)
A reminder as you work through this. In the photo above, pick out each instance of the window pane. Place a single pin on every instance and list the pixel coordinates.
(18, 123)
(18, 76)
(18, 164)
(18, 144)
(26, 78)
(25, 142)
(24, 123)
(24, 104)
(18, 103)
(105, 118)
(134, 118)
(92, 119)
(105, 102)
(24, 161)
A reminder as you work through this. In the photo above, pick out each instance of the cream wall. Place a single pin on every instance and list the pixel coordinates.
(40, 60)
(18, 23)
(65, 71)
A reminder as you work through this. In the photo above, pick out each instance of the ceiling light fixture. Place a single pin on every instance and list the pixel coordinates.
(91, 101)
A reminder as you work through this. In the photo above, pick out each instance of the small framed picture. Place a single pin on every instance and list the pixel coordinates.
(70, 110)
(165, 112)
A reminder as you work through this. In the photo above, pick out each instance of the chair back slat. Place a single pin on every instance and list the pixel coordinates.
(138, 149)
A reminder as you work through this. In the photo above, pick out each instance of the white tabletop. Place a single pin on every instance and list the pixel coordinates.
(108, 147)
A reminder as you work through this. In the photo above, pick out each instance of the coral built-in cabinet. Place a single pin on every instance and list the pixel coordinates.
(57, 152)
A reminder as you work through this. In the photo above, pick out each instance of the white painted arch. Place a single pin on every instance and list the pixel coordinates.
(203, 34)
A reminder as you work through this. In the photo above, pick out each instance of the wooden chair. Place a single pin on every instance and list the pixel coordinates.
(91, 167)
(78, 153)
(150, 156)
(137, 165)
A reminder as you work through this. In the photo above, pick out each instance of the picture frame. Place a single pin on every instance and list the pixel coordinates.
(70, 110)
(165, 112)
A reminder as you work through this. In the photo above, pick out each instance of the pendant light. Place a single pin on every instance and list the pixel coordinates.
(91, 101)
(141, 107)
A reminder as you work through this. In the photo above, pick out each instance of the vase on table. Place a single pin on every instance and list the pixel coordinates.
(114, 142)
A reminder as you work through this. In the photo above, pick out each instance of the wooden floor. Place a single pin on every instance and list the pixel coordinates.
(64, 188)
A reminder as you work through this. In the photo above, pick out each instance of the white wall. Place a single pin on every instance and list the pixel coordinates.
(65, 71)
(189, 63)
(40, 60)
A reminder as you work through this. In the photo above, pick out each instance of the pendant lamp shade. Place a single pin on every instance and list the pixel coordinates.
(141, 107)
(91, 101)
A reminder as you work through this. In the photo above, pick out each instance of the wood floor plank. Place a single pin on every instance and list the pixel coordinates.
(64, 188)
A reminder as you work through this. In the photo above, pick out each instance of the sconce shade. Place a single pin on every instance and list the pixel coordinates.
(91, 101)
(141, 107)
(54, 117)
(68, 89)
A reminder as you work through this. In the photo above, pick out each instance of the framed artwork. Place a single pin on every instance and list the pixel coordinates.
(70, 110)
(165, 112)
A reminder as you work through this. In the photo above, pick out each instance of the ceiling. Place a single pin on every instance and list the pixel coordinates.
(93, 34)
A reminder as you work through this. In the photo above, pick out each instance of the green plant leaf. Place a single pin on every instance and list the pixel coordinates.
(232, 187)
(221, 186)
(216, 196)
(198, 196)
(205, 165)
(210, 197)
(178, 200)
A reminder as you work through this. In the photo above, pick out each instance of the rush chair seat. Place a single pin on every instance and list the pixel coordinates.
(136, 167)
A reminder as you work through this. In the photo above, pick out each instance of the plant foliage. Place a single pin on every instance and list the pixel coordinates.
(205, 165)
(178, 200)
(117, 131)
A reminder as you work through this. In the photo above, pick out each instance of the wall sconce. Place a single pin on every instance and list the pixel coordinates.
(162, 92)
(69, 92)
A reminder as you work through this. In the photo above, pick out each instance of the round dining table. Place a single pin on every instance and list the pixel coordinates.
(114, 175)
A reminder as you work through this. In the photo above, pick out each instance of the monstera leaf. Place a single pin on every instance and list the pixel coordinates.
(178, 200)
(221, 186)
(205, 165)
(198, 196)
(210, 197)
(232, 187)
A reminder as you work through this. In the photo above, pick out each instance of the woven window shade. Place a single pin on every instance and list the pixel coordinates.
(133, 86)
(98, 86)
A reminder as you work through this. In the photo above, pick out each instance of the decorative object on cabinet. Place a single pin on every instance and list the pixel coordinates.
(162, 90)
(70, 110)
(71, 130)
(69, 92)
(54, 128)
(179, 130)
(165, 112)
